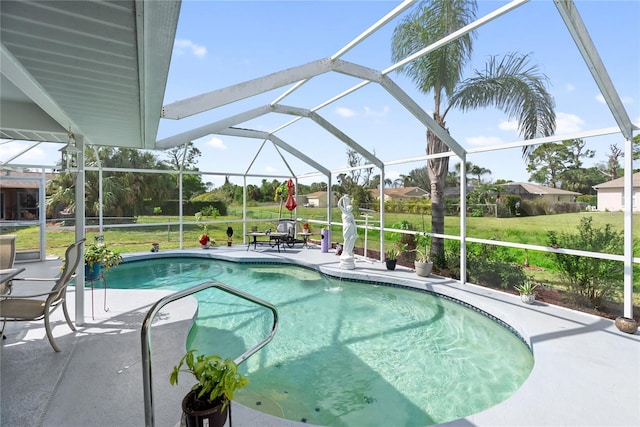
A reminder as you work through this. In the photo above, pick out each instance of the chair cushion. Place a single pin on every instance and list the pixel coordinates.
(25, 309)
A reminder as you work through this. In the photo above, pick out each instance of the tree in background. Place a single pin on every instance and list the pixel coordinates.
(124, 193)
(546, 164)
(192, 185)
(474, 170)
(560, 166)
(509, 84)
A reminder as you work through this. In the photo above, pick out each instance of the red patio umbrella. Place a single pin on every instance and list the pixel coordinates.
(291, 201)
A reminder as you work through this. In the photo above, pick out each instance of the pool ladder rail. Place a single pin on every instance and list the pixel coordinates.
(146, 344)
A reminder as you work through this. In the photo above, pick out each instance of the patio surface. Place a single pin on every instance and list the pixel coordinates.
(586, 372)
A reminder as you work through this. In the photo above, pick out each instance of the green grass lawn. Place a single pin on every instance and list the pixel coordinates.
(524, 230)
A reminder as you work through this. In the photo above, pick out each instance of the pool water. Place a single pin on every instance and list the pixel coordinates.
(345, 353)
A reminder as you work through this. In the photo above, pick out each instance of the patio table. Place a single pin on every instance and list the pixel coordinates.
(275, 238)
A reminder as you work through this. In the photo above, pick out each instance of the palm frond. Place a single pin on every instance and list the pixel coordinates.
(516, 88)
(441, 69)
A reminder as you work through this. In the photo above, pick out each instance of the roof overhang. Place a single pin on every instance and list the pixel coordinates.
(94, 69)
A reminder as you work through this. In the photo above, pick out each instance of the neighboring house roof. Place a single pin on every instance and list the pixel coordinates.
(7, 182)
(619, 183)
(536, 189)
(407, 192)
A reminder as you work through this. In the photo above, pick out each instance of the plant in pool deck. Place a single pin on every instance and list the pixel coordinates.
(99, 253)
(392, 253)
(204, 238)
(528, 287)
(217, 380)
(422, 247)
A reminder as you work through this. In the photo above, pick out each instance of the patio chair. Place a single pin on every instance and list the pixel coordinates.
(32, 308)
(287, 226)
(7, 257)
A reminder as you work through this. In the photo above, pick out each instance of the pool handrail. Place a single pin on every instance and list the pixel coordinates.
(146, 344)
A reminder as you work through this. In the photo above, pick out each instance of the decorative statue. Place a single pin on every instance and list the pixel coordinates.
(349, 233)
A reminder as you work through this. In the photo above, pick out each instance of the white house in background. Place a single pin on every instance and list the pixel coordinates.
(319, 199)
(611, 194)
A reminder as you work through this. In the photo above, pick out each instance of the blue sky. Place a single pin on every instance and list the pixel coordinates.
(221, 43)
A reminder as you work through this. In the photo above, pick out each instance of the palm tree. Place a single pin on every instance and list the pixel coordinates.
(509, 84)
(478, 171)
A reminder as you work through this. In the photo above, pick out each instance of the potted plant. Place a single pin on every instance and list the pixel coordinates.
(422, 264)
(217, 379)
(527, 291)
(98, 256)
(204, 239)
(391, 256)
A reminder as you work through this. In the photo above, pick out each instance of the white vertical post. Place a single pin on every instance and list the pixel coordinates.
(382, 223)
(80, 233)
(463, 220)
(42, 214)
(244, 208)
(628, 228)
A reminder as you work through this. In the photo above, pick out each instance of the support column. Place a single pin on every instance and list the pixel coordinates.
(80, 233)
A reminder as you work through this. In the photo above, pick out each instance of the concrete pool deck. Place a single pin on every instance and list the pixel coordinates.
(586, 372)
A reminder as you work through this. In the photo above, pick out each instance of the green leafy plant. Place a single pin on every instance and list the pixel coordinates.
(395, 251)
(204, 237)
(528, 287)
(422, 247)
(392, 254)
(99, 253)
(217, 378)
(593, 279)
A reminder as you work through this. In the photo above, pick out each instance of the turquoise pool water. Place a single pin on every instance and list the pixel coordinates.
(346, 353)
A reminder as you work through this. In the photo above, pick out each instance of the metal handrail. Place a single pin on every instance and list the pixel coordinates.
(146, 344)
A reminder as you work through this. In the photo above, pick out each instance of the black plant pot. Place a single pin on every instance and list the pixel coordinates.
(212, 417)
(391, 264)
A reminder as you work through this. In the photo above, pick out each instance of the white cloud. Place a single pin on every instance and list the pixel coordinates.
(511, 125)
(483, 140)
(182, 46)
(568, 123)
(600, 98)
(216, 143)
(371, 113)
(345, 112)
(34, 155)
(570, 87)
(270, 169)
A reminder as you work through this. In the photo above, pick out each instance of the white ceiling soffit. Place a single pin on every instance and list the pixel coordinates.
(97, 68)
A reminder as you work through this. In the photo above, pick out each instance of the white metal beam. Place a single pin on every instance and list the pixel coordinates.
(212, 128)
(250, 133)
(578, 30)
(208, 101)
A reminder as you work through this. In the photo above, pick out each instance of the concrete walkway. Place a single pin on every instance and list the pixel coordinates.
(586, 372)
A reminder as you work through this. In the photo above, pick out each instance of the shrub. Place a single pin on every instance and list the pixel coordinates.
(590, 279)
(493, 265)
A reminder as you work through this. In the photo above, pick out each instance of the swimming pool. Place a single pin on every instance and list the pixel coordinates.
(346, 353)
